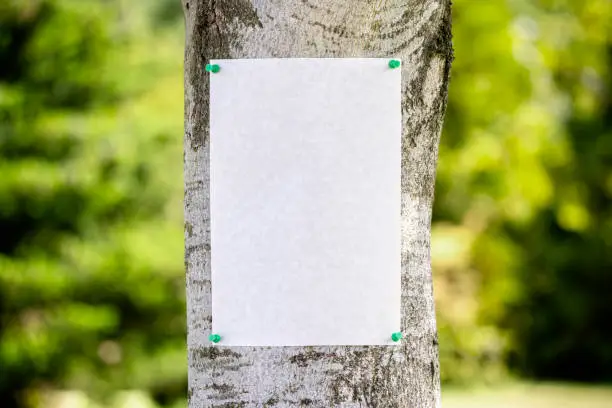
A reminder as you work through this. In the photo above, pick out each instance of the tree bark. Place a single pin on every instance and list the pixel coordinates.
(418, 32)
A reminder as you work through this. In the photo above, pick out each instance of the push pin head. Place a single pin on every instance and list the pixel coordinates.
(215, 338)
(394, 64)
(214, 68)
(396, 336)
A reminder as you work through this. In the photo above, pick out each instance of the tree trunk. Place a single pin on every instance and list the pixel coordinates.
(418, 32)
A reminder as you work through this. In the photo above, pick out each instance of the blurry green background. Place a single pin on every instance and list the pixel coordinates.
(92, 310)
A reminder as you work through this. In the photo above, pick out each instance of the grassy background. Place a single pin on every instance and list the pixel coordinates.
(529, 395)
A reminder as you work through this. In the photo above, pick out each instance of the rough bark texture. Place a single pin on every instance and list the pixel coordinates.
(418, 32)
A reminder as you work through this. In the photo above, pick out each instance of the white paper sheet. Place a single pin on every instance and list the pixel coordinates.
(305, 201)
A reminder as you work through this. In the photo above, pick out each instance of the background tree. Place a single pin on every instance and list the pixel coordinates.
(418, 32)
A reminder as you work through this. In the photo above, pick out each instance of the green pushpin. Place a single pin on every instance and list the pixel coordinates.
(394, 64)
(396, 336)
(215, 338)
(214, 68)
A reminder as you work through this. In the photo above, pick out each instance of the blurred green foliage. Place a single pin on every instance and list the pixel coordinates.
(91, 271)
(522, 234)
(91, 280)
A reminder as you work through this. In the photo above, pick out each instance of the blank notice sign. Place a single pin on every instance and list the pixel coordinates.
(305, 201)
